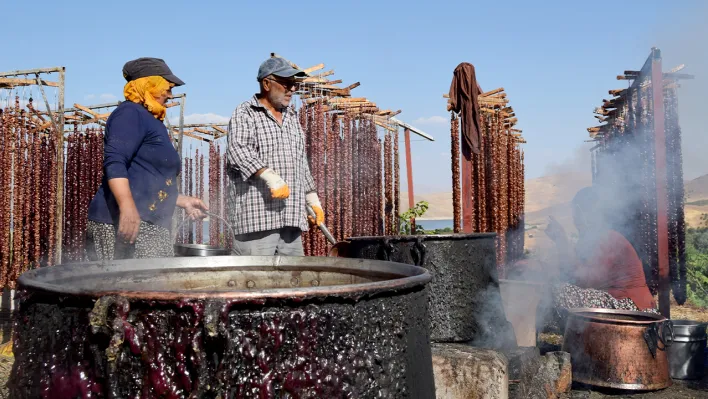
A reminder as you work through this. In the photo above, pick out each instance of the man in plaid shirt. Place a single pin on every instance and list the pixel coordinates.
(270, 179)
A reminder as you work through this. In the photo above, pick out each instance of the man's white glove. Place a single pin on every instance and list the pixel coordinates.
(277, 186)
(314, 202)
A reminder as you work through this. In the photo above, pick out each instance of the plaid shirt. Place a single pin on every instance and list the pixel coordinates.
(257, 141)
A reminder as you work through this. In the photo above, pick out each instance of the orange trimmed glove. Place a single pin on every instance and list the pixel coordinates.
(277, 186)
(313, 201)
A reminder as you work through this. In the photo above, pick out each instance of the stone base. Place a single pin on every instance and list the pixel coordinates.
(518, 358)
(466, 372)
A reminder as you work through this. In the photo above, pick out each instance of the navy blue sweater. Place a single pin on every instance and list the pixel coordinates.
(137, 147)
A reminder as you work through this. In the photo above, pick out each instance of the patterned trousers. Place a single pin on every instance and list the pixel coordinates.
(152, 242)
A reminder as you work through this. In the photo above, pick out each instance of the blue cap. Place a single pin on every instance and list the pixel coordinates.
(278, 67)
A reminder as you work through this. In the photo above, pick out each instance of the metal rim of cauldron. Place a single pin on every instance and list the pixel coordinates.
(425, 237)
(585, 314)
(409, 276)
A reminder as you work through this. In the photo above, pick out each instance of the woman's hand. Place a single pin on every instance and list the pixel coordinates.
(192, 206)
(129, 219)
(128, 223)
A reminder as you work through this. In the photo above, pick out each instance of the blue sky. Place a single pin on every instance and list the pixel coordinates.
(556, 59)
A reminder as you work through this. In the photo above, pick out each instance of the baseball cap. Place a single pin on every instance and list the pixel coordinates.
(148, 66)
(279, 67)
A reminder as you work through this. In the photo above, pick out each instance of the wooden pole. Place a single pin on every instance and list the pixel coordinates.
(657, 82)
(409, 175)
(59, 218)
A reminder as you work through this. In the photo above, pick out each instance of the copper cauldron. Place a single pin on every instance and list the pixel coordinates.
(618, 349)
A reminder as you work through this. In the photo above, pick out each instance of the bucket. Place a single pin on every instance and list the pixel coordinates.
(688, 352)
(202, 249)
(520, 300)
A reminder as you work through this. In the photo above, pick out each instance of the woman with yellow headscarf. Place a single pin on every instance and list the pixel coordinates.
(131, 214)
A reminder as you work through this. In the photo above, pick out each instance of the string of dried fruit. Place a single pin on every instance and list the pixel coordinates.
(455, 161)
(18, 192)
(70, 209)
(347, 168)
(388, 184)
(332, 175)
(52, 154)
(356, 180)
(377, 228)
(8, 198)
(397, 185)
(219, 202)
(70, 201)
(338, 176)
(68, 187)
(8, 122)
(482, 170)
(330, 166)
(676, 196)
(198, 182)
(371, 205)
(27, 240)
(366, 181)
(4, 194)
(320, 152)
(376, 173)
(304, 123)
(27, 237)
(305, 236)
(213, 234)
(85, 195)
(36, 180)
(225, 211)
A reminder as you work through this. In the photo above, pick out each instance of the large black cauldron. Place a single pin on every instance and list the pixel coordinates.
(224, 327)
(465, 302)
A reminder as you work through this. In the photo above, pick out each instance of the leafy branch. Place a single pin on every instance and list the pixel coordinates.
(415, 212)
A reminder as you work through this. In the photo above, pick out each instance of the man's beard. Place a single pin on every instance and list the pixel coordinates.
(278, 100)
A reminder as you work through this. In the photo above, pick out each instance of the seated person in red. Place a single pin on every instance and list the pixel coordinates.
(603, 258)
(602, 271)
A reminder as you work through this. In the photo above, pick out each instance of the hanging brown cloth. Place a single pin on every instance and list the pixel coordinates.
(463, 99)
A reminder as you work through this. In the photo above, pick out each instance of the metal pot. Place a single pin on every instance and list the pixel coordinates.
(618, 349)
(687, 353)
(465, 303)
(199, 250)
(223, 327)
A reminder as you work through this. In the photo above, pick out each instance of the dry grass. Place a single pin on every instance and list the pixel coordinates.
(689, 312)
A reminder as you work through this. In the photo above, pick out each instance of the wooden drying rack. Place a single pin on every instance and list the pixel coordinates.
(338, 100)
(495, 102)
(607, 112)
(206, 132)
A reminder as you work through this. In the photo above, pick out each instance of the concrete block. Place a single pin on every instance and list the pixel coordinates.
(467, 372)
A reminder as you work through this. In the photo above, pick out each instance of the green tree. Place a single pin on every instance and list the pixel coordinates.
(697, 266)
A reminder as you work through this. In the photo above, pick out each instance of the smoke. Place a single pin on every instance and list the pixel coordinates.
(684, 43)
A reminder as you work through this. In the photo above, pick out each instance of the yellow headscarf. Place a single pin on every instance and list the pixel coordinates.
(145, 90)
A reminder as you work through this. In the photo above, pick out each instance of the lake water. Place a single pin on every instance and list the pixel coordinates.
(434, 224)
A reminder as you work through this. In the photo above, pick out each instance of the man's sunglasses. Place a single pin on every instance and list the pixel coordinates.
(289, 85)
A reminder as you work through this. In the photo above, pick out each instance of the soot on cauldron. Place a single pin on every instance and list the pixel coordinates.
(228, 327)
